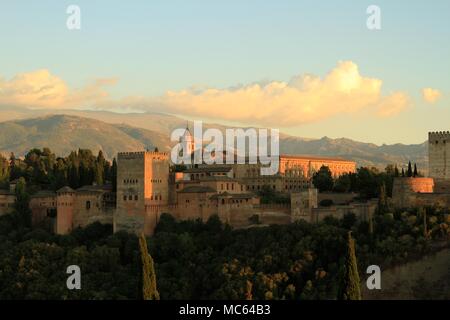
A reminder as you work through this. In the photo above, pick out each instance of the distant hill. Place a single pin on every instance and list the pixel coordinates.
(130, 132)
(365, 154)
(63, 134)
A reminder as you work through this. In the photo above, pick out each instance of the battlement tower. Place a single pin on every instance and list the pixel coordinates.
(439, 154)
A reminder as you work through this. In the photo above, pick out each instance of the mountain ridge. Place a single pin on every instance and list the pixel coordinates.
(63, 133)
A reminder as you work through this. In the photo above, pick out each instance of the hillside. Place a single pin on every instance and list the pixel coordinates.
(63, 133)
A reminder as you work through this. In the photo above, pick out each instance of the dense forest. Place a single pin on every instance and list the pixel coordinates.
(195, 260)
(42, 169)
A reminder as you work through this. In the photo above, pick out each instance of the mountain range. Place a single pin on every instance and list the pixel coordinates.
(113, 132)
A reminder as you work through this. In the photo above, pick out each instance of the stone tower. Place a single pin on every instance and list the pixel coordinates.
(64, 208)
(439, 155)
(142, 183)
(188, 143)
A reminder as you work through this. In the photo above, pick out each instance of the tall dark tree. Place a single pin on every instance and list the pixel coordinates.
(99, 170)
(382, 200)
(74, 176)
(415, 174)
(396, 172)
(409, 172)
(22, 204)
(114, 174)
(349, 288)
(323, 180)
(368, 182)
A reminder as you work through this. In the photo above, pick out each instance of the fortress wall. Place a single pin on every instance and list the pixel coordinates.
(405, 189)
(337, 198)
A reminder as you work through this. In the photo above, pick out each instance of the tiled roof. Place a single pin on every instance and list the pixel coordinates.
(307, 157)
(88, 188)
(65, 189)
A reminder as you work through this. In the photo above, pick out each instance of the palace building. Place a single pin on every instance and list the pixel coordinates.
(148, 185)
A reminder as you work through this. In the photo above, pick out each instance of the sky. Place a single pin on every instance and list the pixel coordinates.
(308, 68)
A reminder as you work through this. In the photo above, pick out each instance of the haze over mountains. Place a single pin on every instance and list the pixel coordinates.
(113, 132)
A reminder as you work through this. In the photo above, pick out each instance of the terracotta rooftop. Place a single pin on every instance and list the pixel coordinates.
(307, 157)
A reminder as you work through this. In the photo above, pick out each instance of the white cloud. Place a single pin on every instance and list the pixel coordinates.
(41, 89)
(431, 95)
(304, 99)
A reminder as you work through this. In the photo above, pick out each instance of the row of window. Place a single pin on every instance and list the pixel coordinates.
(135, 181)
(136, 198)
(130, 198)
(130, 181)
(229, 186)
(223, 201)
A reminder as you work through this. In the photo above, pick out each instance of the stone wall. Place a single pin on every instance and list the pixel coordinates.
(405, 190)
(89, 207)
(337, 198)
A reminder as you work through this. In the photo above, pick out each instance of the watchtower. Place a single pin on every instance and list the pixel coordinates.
(439, 154)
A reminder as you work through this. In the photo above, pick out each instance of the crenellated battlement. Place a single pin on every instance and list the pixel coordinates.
(141, 154)
(438, 136)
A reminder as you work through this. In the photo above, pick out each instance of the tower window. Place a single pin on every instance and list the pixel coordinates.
(88, 205)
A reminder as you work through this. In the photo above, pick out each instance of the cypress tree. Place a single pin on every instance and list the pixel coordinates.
(396, 172)
(415, 174)
(382, 200)
(114, 175)
(149, 291)
(22, 204)
(350, 284)
(410, 173)
(370, 225)
(248, 290)
(403, 173)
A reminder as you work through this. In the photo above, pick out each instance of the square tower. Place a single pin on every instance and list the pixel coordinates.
(142, 180)
(439, 155)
